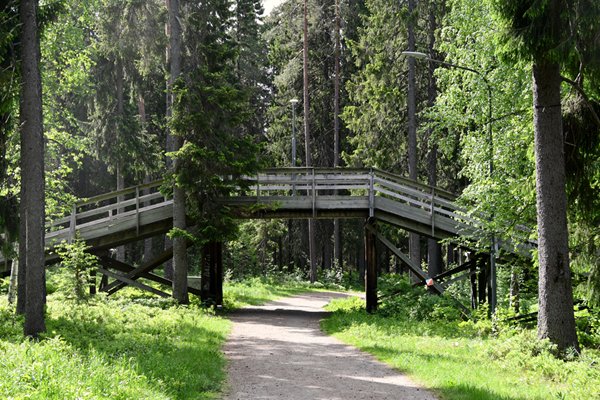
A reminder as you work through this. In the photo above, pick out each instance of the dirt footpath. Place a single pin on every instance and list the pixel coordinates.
(277, 351)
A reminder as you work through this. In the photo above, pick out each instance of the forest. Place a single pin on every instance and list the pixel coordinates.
(496, 102)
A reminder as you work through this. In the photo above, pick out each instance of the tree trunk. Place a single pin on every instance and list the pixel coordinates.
(22, 271)
(555, 318)
(12, 286)
(120, 186)
(514, 290)
(337, 243)
(414, 239)
(180, 268)
(32, 174)
(434, 250)
(168, 266)
(311, 223)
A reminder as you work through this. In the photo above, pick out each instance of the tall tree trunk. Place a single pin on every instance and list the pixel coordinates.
(168, 266)
(180, 268)
(414, 239)
(120, 174)
(32, 164)
(311, 223)
(148, 246)
(434, 250)
(555, 318)
(337, 243)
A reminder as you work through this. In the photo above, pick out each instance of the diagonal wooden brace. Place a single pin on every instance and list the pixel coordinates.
(131, 282)
(137, 272)
(414, 267)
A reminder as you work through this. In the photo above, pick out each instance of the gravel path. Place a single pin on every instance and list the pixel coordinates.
(277, 351)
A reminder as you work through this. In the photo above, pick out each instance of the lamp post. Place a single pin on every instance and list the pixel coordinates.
(293, 102)
(423, 56)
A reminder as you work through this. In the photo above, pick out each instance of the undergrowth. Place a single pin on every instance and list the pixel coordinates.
(426, 337)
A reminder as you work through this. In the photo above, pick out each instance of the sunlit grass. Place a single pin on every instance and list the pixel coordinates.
(458, 364)
(117, 349)
(257, 291)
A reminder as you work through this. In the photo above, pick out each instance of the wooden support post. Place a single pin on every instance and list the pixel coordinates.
(93, 282)
(219, 273)
(212, 270)
(103, 282)
(73, 223)
(371, 273)
(205, 274)
(482, 280)
(213, 292)
(473, 279)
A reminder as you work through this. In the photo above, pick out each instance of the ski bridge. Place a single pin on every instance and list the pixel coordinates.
(140, 212)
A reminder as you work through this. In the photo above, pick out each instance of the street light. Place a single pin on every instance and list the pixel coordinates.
(294, 102)
(423, 56)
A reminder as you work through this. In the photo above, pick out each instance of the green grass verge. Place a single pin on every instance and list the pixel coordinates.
(117, 349)
(456, 363)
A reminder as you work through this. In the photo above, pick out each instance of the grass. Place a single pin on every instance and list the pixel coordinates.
(131, 347)
(118, 349)
(458, 362)
(255, 291)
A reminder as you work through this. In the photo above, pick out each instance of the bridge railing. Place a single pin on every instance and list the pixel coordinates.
(369, 183)
(108, 207)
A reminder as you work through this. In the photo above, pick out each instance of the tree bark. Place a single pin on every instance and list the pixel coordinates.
(22, 272)
(337, 242)
(13, 283)
(434, 250)
(311, 222)
(414, 238)
(32, 162)
(180, 268)
(555, 318)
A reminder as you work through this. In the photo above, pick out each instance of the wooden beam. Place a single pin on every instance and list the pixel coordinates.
(416, 269)
(108, 262)
(371, 269)
(136, 273)
(219, 273)
(123, 267)
(133, 283)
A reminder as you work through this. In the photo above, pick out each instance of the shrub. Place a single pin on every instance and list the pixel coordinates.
(399, 298)
(77, 264)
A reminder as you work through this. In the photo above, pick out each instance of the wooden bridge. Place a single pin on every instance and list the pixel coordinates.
(139, 212)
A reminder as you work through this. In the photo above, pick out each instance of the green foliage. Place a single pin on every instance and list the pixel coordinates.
(76, 265)
(254, 291)
(120, 349)
(401, 300)
(250, 254)
(376, 112)
(211, 108)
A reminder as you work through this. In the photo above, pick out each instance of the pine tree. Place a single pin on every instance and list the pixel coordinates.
(541, 30)
(32, 170)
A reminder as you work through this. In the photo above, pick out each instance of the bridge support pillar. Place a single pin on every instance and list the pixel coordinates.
(212, 273)
(371, 271)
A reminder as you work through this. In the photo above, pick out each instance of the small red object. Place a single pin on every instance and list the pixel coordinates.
(429, 282)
